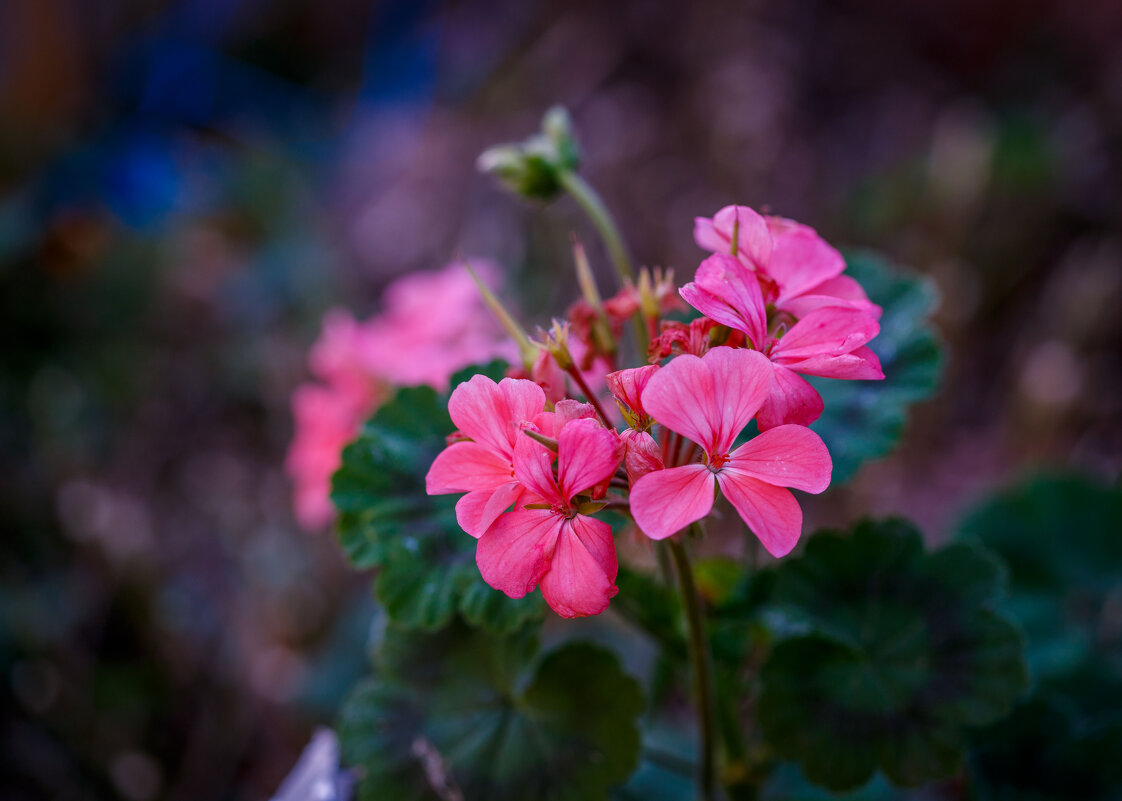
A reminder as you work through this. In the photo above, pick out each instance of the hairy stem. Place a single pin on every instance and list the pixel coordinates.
(587, 198)
(594, 207)
(702, 668)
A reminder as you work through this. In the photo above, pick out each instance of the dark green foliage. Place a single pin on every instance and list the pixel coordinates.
(386, 519)
(1062, 539)
(896, 651)
(864, 419)
(487, 715)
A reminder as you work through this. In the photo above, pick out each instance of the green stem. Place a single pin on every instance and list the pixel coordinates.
(594, 207)
(702, 669)
(587, 198)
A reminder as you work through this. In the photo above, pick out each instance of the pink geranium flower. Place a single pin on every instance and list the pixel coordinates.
(710, 400)
(549, 542)
(828, 342)
(490, 416)
(799, 270)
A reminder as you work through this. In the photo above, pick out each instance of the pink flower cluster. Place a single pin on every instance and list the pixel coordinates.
(537, 465)
(432, 324)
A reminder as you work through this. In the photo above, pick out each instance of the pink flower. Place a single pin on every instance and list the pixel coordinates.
(490, 415)
(800, 271)
(828, 342)
(549, 542)
(710, 400)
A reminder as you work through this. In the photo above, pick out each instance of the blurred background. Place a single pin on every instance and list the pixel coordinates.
(186, 187)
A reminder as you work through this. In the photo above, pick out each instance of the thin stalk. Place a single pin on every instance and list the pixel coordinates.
(574, 373)
(702, 669)
(594, 207)
(587, 198)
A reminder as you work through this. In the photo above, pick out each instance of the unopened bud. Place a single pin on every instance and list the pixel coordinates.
(556, 341)
(532, 168)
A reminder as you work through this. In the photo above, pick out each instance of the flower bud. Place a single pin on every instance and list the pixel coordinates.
(627, 388)
(532, 168)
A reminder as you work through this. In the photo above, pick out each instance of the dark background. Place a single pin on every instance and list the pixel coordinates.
(185, 188)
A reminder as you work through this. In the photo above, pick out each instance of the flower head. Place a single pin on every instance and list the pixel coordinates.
(549, 541)
(710, 400)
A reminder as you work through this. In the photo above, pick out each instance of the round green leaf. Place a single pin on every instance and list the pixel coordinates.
(863, 420)
(486, 715)
(426, 562)
(1060, 538)
(898, 652)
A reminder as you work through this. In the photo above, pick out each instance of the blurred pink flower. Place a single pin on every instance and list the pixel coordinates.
(710, 400)
(432, 324)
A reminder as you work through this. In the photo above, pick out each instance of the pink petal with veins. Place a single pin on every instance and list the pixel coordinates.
(771, 512)
(517, 550)
(787, 456)
(831, 331)
(726, 291)
(859, 364)
(581, 574)
(492, 414)
(791, 400)
(666, 501)
(753, 238)
(588, 454)
(476, 511)
(709, 399)
(466, 466)
(800, 258)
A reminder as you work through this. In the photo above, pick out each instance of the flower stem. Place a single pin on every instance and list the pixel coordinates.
(702, 669)
(575, 374)
(594, 207)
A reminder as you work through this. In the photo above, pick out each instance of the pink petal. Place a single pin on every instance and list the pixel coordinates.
(516, 551)
(476, 511)
(831, 331)
(771, 512)
(627, 387)
(787, 456)
(466, 466)
(800, 258)
(709, 399)
(641, 454)
(549, 376)
(753, 237)
(533, 467)
(491, 414)
(666, 501)
(583, 569)
(725, 290)
(859, 364)
(792, 400)
(839, 291)
(587, 454)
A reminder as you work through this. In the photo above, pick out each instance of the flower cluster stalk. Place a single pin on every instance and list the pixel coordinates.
(700, 661)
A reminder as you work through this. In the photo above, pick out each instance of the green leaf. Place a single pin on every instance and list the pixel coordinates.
(386, 520)
(1060, 538)
(863, 420)
(490, 717)
(900, 651)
